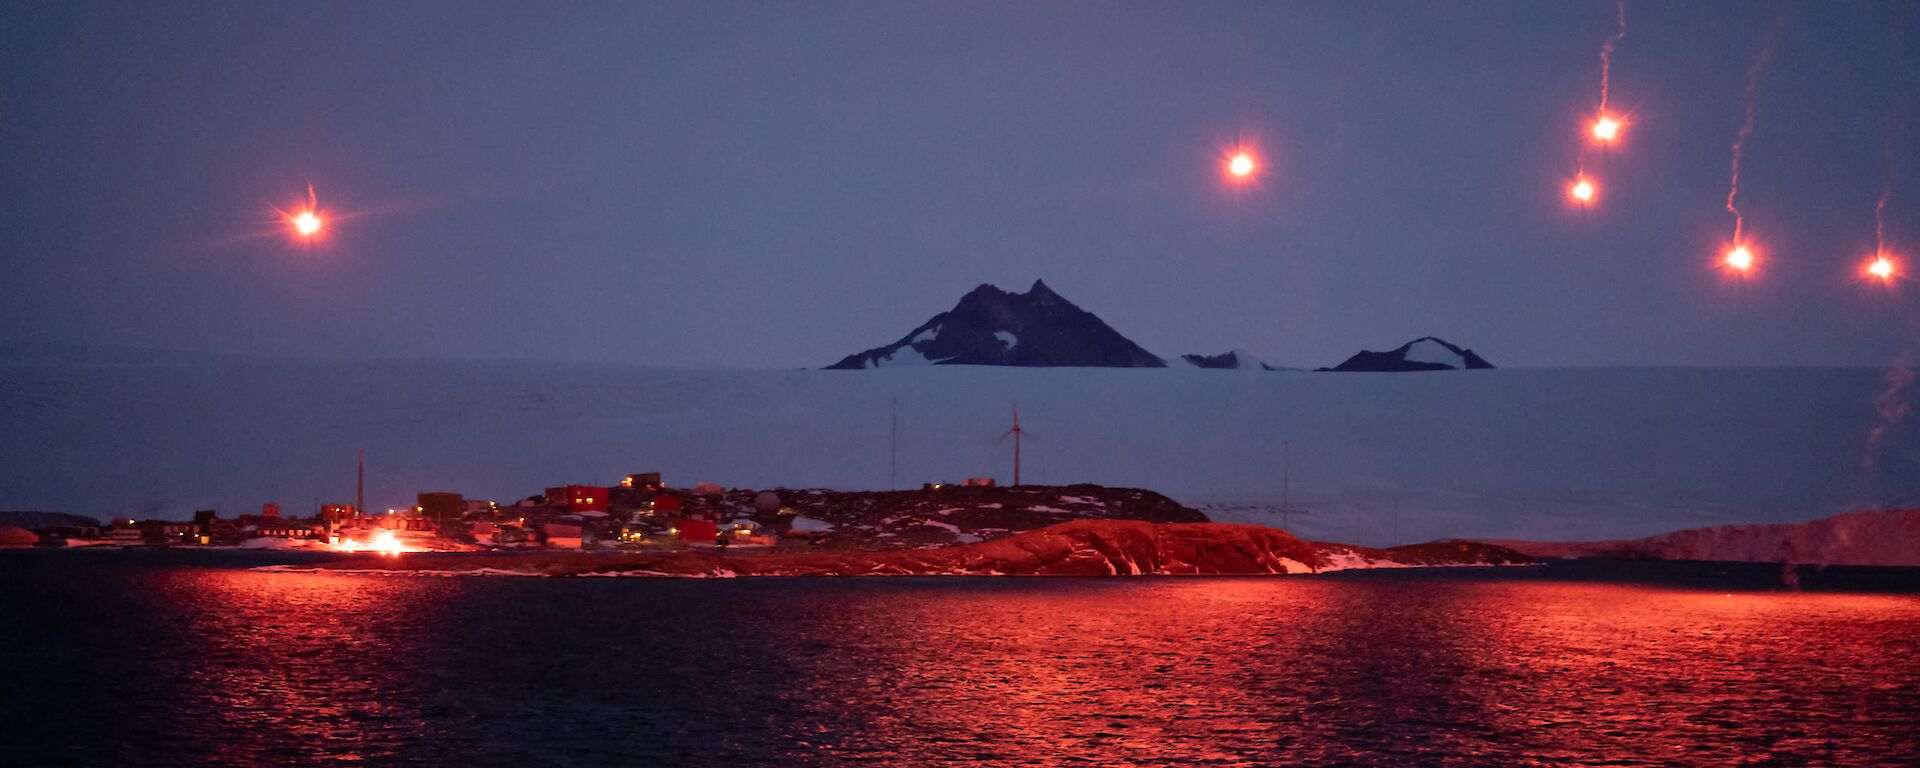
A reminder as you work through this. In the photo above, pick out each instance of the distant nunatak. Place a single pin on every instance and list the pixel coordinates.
(1041, 329)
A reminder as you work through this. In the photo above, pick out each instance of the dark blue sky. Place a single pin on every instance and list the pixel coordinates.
(779, 184)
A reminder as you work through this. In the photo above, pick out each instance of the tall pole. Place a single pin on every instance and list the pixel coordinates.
(360, 487)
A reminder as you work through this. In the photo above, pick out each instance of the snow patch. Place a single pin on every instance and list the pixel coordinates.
(906, 355)
(1292, 566)
(272, 543)
(1430, 351)
(1006, 338)
(1344, 561)
(806, 524)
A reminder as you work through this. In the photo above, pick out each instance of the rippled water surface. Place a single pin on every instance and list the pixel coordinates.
(116, 658)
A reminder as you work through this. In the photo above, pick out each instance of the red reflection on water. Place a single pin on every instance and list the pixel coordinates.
(1250, 671)
(1259, 671)
(306, 664)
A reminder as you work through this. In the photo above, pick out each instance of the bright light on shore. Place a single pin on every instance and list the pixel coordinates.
(383, 542)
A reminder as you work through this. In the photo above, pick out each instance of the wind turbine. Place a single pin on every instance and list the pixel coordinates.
(1016, 432)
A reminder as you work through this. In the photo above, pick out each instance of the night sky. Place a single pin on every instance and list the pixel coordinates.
(780, 184)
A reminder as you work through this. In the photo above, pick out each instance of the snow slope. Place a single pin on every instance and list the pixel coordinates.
(1543, 454)
(1234, 360)
(1878, 537)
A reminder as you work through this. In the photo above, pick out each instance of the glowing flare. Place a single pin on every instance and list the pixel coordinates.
(1241, 165)
(1881, 268)
(1606, 128)
(307, 223)
(305, 220)
(383, 542)
(1740, 258)
(1582, 191)
(386, 543)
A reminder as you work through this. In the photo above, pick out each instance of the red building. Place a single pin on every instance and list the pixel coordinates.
(562, 535)
(696, 531)
(586, 498)
(578, 498)
(440, 506)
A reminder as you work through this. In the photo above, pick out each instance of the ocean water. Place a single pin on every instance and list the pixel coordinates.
(183, 658)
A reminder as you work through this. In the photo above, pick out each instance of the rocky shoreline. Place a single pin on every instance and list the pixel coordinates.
(1077, 548)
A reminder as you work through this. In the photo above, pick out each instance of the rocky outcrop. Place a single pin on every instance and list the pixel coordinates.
(1235, 360)
(34, 521)
(990, 326)
(1423, 354)
(11, 536)
(1079, 548)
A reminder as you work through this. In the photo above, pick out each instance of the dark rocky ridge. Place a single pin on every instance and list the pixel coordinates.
(37, 520)
(1041, 329)
(1046, 330)
(1396, 360)
(1235, 360)
(1889, 537)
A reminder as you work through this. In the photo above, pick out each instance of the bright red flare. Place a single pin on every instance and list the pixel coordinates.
(1241, 165)
(1582, 191)
(1739, 259)
(1882, 268)
(1606, 129)
(307, 223)
(306, 220)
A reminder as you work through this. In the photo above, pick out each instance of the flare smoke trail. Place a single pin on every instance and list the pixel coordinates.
(1892, 405)
(1746, 128)
(1889, 160)
(1880, 218)
(1606, 55)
